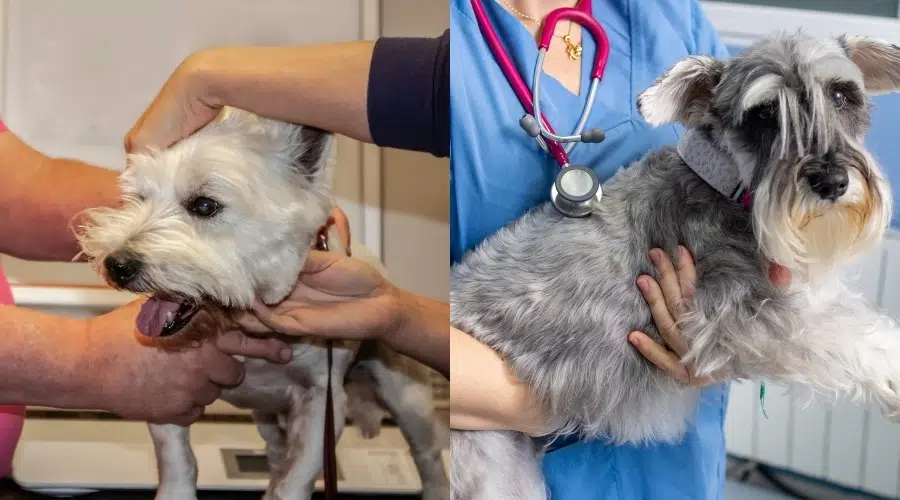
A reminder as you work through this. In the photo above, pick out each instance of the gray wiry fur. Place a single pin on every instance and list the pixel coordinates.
(271, 182)
(557, 296)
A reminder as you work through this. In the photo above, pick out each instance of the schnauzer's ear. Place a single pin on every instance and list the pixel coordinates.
(683, 93)
(879, 62)
(310, 156)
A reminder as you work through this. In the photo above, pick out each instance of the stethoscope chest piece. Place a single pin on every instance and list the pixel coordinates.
(576, 192)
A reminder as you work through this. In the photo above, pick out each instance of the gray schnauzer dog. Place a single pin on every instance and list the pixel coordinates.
(217, 221)
(779, 127)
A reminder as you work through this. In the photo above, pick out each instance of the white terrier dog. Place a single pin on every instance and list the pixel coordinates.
(223, 218)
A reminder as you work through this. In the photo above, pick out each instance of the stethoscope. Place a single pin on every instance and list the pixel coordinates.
(576, 191)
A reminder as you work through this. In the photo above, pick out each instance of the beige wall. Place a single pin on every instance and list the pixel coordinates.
(415, 186)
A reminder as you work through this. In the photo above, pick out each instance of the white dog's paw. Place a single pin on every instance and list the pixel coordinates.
(176, 495)
(269, 495)
(369, 423)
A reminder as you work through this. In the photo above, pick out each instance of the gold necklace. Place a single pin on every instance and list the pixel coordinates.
(573, 50)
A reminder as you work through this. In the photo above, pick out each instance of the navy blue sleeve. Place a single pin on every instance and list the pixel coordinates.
(409, 94)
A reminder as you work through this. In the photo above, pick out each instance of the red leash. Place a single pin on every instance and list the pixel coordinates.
(330, 448)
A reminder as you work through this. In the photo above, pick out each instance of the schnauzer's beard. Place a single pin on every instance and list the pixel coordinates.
(796, 228)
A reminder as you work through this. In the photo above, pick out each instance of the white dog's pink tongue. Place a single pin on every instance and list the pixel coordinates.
(154, 313)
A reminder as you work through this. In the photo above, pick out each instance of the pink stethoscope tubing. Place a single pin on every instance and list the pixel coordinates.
(542, 131)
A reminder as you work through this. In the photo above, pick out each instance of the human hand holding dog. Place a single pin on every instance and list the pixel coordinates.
(324, 86)
(341, 297)
(146, 383)
(335, 296)
(667, 299)
(204, 83)
(491, 398)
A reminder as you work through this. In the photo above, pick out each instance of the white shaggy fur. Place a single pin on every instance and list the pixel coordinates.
(270, 182)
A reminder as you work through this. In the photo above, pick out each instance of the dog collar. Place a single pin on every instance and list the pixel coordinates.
(321, 243)
(713, 164)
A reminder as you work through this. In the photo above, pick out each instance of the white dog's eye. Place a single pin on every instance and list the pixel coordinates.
(204, 207)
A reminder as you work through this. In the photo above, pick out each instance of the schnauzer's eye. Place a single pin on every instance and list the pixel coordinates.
(839, 98)
(766, 112)
(204, 207)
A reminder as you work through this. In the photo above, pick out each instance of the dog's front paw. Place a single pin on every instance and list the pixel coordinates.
(889, 398)
(369, 424)
(175, 495)
(269, 495)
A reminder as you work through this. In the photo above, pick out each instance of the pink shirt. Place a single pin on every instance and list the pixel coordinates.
(12, 418)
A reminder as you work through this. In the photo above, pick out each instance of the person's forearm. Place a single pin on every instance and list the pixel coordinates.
(484, 394)
(323, 86)
(39, 197)
(47, 361)
(423, 335)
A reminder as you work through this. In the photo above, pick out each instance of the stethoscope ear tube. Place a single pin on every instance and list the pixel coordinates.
(533, 129)
(550, 136)
(576, 191)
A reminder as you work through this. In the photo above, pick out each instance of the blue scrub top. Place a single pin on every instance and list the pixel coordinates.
(498, 173)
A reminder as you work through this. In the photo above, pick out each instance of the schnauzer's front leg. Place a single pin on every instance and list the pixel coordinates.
(867, 347)
(879, 358)
(845, 347)
(175, 462)
(295, 477)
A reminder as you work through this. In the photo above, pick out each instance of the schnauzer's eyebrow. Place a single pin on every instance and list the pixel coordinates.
(763, 89)
(835, 68)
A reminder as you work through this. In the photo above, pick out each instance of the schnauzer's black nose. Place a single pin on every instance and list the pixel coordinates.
(122, 268)
(829, 183)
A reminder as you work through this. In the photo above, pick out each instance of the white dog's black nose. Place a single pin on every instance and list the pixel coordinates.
(829, 183)
(121, 268)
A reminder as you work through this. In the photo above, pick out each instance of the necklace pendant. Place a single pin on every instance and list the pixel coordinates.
(572, 50)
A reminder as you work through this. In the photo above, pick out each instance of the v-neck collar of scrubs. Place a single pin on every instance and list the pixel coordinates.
(557, 101)
(522, 49)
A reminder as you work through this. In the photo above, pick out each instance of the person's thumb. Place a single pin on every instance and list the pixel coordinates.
(285, 324)
(236, 343)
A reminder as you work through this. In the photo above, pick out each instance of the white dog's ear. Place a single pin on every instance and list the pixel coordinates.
(879, 62)
(683, 93)
(310, 155)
